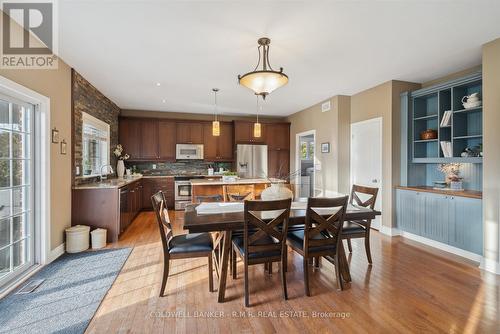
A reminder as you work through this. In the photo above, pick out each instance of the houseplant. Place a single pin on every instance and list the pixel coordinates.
(120, 166)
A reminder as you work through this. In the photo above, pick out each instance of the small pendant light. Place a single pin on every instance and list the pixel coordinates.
(256, 126)
(215, 123)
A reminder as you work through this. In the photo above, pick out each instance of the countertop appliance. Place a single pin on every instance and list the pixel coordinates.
(251, 161)
(182, 190)
(189, 151)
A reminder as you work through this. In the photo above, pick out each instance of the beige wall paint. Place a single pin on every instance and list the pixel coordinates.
(452, 76)
(332, 127)
(383, 101)
(56, 85)
(491, 160)
(192, 116)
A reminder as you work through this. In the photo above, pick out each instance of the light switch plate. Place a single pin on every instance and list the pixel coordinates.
(154, 166)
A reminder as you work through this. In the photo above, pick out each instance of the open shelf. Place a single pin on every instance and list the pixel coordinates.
(425, 117)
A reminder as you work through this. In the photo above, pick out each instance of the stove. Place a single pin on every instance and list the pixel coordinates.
(182, 190)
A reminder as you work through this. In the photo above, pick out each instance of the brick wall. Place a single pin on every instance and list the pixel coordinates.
(86, 98)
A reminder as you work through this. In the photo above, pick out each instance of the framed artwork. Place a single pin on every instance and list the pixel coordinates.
(55, 136)
(63, 146)
(325, 147)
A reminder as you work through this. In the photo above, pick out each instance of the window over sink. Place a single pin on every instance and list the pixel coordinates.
(95, 145)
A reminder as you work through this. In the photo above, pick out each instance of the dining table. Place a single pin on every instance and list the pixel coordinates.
(222, 220)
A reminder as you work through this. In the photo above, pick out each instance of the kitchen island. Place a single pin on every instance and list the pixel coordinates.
(204, 190)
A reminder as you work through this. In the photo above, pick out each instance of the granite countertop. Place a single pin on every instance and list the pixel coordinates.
(460, 193)
(109, 183)
(204, 182)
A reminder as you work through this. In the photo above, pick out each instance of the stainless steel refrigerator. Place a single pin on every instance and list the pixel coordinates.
(251, 161)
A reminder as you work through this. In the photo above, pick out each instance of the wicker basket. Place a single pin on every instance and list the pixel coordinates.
(428, 134)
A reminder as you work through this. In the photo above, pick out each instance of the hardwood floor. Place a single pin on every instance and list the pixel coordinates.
(409, 288)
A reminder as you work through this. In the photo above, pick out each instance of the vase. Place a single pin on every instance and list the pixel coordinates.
(120, 169)
(275, 192)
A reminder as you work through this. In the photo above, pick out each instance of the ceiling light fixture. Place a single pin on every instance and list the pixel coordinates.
(257, 129)
(215, 123)
(266, 80)
(158, 84)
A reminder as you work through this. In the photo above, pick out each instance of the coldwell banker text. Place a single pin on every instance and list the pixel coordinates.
(29, 35)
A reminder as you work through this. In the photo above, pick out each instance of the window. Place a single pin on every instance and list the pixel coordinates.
(306, 150)
(95, 145)
(16, 191)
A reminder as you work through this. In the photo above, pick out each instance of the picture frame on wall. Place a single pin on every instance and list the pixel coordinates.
(55, 136)
(63, 147)
(325, 147)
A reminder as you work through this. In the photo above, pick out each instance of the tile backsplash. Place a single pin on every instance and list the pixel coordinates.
(179, 167)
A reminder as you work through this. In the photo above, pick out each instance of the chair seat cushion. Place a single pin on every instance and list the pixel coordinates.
(296, 239)
(352, 228)
(238, 241)
(191, 243)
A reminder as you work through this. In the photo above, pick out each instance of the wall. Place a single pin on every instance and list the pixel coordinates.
(333, 127)
(383, 101)
(55, 84)
(452, 76)
(491, 160)
(86, 98)
(193, 116)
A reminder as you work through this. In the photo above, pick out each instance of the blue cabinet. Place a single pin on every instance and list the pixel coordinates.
(453, 220)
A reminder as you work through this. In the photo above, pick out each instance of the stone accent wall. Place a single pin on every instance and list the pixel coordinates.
(87, 98)
(180, 167)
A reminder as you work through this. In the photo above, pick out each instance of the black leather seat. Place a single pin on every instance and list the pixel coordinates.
(352, 228)
(238, 241)
(296, 238)
(191, 243)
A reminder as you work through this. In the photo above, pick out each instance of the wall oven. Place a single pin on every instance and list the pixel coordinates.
(189, 152)
(182, 188)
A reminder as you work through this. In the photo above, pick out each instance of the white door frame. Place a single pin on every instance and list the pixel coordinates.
(375, 120)
(41, 184)
(297, 157)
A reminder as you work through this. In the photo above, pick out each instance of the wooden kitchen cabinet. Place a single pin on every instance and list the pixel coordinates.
(189, 133)
(278, 136)
(278, 163)
(218, 148)
(166, 140)
(149, 139)
(129, 134)
(153, 185)
(243, 133)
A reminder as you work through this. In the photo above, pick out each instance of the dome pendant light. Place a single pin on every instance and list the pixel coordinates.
(266, 80)
(257, 130)
(215, 123)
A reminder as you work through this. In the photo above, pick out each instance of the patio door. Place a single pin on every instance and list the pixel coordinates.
(17, 237)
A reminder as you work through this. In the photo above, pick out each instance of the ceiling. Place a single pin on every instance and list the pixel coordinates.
(326, 48)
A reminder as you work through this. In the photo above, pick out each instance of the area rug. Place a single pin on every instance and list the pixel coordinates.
(74, 286)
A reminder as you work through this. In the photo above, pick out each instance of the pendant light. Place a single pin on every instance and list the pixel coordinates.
(263, 81)
(215, 123)
(257, 129)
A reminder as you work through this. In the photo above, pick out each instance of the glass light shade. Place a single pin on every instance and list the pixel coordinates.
(215, 128)
(264, 82)
(256, 130)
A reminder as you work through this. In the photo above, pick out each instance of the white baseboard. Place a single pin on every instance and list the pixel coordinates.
(390, 231)
(444, 247)
(490, 265)
(56, 252)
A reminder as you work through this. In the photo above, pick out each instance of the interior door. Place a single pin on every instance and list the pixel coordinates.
(366, 158)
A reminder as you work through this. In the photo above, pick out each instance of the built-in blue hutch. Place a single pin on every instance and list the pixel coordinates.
(451, 218)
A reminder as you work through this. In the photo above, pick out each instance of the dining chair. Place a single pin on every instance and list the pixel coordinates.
(321, 237)
(264, 237)
(183, 246)
(360, 228)
(208, 198)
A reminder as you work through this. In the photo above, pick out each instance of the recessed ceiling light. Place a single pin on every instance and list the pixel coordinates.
(158, 84)
(163, 100)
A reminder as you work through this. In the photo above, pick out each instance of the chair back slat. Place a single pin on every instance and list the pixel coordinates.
(161, 211)
(317, 225)
(367, 203)
(257, 229)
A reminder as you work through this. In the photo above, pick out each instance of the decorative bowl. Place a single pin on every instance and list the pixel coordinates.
(469, 105)
(428, 134)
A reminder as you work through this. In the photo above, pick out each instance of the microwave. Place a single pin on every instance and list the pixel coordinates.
(189, 151)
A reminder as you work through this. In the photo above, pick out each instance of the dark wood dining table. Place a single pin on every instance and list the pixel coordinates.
(224, 224)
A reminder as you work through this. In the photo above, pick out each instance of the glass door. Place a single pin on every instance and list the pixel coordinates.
(16, 191)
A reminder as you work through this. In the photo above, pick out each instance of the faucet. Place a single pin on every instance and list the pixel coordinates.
(102, 176)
